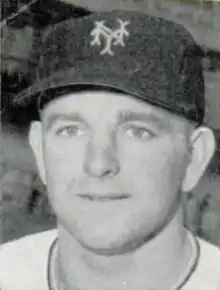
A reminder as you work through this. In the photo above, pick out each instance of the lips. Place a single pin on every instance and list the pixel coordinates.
(103, 197)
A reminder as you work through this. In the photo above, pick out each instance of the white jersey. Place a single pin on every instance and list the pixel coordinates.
(24, 264)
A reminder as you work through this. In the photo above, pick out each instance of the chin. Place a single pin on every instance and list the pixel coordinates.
(114, 235)
(112, 242)
(100, 241)
(106, 247)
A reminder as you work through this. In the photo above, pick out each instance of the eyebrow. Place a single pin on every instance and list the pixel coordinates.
(53, 118)
(122, 118)
(128, 116)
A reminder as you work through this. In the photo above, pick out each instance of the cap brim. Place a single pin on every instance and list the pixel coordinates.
(65, 81)
(41, 91)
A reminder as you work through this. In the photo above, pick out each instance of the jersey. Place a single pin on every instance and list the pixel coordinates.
(24, 264)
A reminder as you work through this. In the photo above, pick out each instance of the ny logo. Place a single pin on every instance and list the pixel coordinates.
(112, 37)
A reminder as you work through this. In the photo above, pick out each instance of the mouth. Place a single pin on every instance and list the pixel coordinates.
(104, 197)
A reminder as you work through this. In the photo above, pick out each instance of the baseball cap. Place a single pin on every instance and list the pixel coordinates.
(147, 57)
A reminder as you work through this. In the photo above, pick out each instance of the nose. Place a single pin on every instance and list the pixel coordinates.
(101, 158)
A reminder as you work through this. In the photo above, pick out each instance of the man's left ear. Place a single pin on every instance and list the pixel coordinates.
(203, 148)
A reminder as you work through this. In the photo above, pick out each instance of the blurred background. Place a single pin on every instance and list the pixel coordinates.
(24, 208)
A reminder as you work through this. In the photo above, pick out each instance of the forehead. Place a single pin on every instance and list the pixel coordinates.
(105, 104)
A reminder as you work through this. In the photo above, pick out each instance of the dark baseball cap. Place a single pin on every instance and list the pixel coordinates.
(147, 57)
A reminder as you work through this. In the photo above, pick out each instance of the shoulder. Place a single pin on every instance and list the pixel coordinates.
(209, 257)
(23, 262)
(207, 273)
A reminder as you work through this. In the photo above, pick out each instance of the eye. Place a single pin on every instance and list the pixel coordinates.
(70, 130)
(138, 132)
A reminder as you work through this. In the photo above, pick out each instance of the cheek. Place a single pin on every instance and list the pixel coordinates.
(63, 163)
(156, 168)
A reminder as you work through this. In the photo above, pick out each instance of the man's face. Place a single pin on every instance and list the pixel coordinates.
(114, 167)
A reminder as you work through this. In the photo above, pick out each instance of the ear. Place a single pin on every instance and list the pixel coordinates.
(36, 143)
(203, 148)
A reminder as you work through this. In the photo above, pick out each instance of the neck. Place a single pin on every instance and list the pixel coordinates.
(156, 265)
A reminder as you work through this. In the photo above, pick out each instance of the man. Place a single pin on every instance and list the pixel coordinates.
(119, 141)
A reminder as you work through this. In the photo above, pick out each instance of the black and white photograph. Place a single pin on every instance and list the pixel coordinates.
(110, 145)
